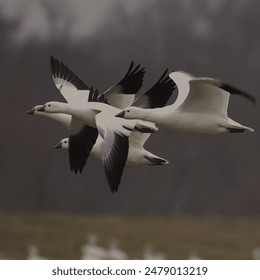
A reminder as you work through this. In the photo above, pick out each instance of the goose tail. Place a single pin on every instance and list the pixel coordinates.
(235, 127)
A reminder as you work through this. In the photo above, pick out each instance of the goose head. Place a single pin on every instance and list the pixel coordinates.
(131, 113)
(63, 144)
(52, 107)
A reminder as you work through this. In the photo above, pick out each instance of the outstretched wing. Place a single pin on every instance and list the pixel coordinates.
(71, 87)
(205, 98)
(158, 95)
(82, 139)
(123, 93)
(228, 88)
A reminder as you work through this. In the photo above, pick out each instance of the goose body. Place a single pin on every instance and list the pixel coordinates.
(200, 109)
(137, 154)
(91, 251)
(114, 253)
(34, 253)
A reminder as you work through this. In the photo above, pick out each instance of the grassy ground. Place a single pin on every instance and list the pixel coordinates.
(61, 236)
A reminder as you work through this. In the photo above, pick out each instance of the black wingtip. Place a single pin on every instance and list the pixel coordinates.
(114, 163)
(233, 90)
(80, 147)
(164, 75)
(94, 96)
(60, 70)
(133, 79)
(158, 95)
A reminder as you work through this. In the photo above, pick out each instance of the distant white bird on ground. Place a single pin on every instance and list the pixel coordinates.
(256, 253)
(114, 253)
(200, 109)
(33, 253)
(91, 251)
(150, 254)
(193, 256)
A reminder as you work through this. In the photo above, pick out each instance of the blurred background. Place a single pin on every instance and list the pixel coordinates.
(206, 202)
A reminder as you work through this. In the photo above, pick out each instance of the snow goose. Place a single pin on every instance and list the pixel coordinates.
(137, 154)
(86, 131)
(91, 251)
(200, 109)
(256, 253)
(114, 131)
(193, 255)
(75, 91)
(156, 96)
(34, 253)
(87, 122)
(150, 254)
(114, 253)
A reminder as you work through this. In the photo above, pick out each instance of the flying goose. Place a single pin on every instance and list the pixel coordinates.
(200, 109)
(86, 131)
(114, 132)
(137, 154)
(76, 92)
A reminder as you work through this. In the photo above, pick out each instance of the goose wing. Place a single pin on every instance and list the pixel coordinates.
(115, 133)
(227, 87)
(123, 93)
(115, 148)
(71, 87)
(81, 141)
(138, 139)
(158, 95)
(205, 98)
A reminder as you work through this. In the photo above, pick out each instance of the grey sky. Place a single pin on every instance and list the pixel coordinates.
(77, 19)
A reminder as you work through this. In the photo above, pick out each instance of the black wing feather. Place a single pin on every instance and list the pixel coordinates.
(133, 80)
(80, 146)
(60, 70)
(114, 162)
(233, 90)
(158, 95)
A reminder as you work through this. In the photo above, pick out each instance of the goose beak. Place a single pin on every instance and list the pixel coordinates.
(58, 146)
(31, 112)
(41, 109)
(120, 115)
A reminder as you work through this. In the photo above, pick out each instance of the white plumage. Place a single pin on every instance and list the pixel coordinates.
(200, 109)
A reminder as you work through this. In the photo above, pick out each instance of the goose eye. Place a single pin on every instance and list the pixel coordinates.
(49, 105)
(127, 111)
(65, 142)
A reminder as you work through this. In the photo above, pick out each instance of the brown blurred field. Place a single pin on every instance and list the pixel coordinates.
(61, 236)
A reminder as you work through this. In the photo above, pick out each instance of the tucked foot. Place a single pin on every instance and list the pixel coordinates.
(157, 161)
(235, 130)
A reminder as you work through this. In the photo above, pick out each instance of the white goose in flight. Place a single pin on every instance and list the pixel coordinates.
(86, 131)
(200, 109)
(76, 92)
(114, 132)
(137, 154)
